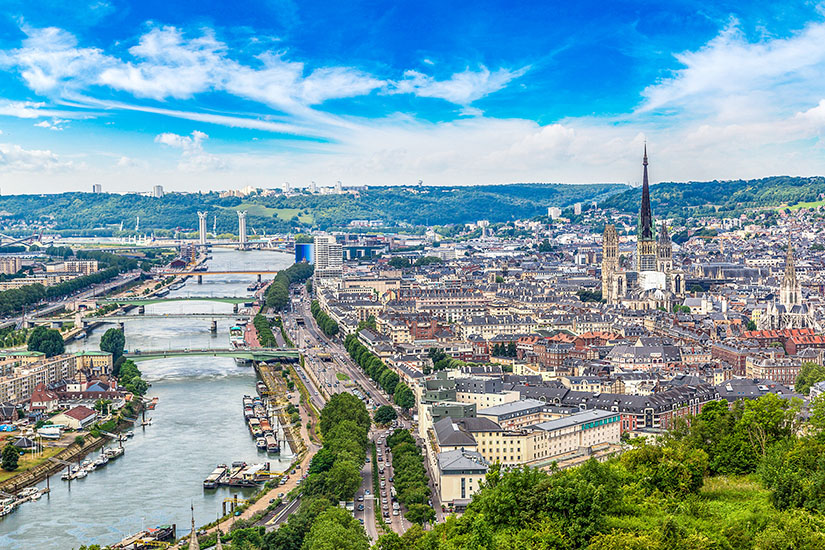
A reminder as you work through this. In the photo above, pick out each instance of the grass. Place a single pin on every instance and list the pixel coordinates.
(723, 502)
(797, 206)
(341, 376)
(27, 461)
(284, 214)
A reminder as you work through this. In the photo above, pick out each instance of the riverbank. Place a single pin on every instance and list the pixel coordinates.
(73, 453)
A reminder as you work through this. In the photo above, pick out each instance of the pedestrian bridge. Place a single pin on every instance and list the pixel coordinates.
(257, 354)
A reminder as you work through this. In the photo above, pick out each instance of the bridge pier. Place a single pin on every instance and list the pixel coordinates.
(122, 327)
(214, 328)
(28, 324)
(141, 310)
(56, 325)
(259, 277)
(200, 279)
(234, 308)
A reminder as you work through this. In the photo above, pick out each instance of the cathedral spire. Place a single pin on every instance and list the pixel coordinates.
(645, 213)
(193, 536)
(789, 291)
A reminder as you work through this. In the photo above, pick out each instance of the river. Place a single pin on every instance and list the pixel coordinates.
(198, 423)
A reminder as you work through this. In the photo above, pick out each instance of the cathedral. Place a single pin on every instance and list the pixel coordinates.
(655, 283)
(790, 312)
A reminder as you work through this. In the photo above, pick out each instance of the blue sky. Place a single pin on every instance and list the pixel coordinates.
(209, 95)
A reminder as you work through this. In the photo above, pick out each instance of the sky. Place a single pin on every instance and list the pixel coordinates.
(210, 95)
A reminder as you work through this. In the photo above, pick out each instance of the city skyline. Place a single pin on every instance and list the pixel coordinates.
(196, 97)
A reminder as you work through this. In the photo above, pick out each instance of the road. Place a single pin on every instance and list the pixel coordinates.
(324, 373)
(91, 292)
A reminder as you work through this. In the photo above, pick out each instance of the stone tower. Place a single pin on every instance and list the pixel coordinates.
(664, 251)
(646, 241)
(789, 293)
(610, 262)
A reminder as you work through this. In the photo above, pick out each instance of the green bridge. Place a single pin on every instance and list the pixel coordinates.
(160, 300)
(258, 354)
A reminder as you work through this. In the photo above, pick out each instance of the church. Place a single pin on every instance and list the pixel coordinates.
(789, 312)
(655, 284)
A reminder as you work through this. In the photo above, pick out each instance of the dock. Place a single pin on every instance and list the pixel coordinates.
(276, 391)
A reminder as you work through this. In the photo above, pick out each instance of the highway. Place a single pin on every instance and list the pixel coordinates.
(324, 375)
(90, 293)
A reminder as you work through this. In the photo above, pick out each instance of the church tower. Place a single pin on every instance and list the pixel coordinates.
(664, 251)
(646, 240)
(789, 293)
(610, 261)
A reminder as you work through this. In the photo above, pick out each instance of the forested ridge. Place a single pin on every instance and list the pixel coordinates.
(434, 205)
(703, 198)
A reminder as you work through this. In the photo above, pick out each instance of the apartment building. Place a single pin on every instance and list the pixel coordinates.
(19, 381)
(84, 267)
(10, 265)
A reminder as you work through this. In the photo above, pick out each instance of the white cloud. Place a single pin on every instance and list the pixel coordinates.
(50, 60)
(193, 157)
(55, 124)
(733, 79)
(14, 158)
(461, 88)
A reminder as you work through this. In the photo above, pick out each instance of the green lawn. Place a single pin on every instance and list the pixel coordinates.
(284, 214)
(28, 461)
(812, 204)
(341, 376)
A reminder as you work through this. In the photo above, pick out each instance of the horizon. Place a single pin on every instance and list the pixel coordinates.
(192, 95)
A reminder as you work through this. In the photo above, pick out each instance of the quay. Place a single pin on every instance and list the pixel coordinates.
(276, 391)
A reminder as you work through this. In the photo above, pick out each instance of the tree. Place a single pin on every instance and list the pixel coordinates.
(10, 457)
(809, 374)
(384, 415)
(420, 513)
(47, 341)
(399, 262)
(336, 529)
(113, 341)
(404, 396)
(343, 479)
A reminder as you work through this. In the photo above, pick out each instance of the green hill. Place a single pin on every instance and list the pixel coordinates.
(92, 213)
(727, 198)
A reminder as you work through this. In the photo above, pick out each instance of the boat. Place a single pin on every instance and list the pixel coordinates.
(80, 336)
(214, 479)
(7, 509)
(261, 443)
(146, 422)
(272, 445)
(81, 473)
(255, 427)
(114, 452)
(265, 427)
(236, 336)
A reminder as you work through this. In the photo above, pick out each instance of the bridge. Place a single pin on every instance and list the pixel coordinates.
(257, 354)
(162, 299)
(191, 273)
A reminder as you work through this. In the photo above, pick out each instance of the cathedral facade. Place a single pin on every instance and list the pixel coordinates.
(789, 312)
(655, 283)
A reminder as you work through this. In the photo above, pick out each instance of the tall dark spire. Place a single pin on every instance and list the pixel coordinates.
(645, 214)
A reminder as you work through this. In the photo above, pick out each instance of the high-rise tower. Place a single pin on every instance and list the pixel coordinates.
(789, 293)
(646, 244)
(202, 228)
(242, 228)
(610, 261)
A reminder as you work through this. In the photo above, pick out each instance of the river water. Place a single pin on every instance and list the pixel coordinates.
(198, 423)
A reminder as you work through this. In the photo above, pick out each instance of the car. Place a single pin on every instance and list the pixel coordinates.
(386, 514)
(385, 507)
(395, 512)
(368, 460)
(360, 507)
(361, 521)
(383, 501)
(392, 479)
(366, 492)
(386, 520)
(360, 498)
(395, 506)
